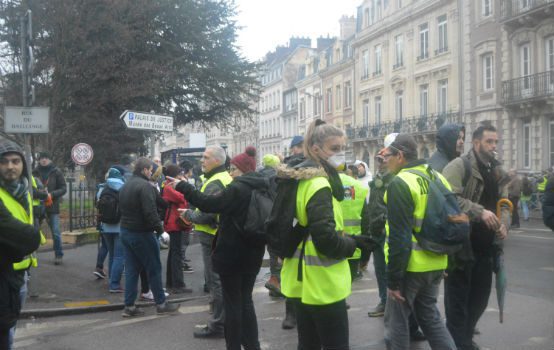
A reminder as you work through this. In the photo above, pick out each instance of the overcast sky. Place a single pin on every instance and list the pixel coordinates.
(268, 23)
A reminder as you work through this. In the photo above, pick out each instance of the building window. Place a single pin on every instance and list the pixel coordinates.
(398, 51)
(525, 4)
(442, 96)
(443, 34)
(365, 64)
(290, 101)
(549, 49)
(399, 3)
(399, 106)
(423, 41)
(347, 94)
(377, 9)
(338, 97)
(527, 145)
(302, 109)
(378, 59)
(525, 65)
(423, 100)
(365, 110)
(366, 17)
(488, 72)
(486, 8)
(329, 100)
(378, 111)
(317, 106)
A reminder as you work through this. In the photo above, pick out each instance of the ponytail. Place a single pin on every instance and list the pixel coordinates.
(318, 132)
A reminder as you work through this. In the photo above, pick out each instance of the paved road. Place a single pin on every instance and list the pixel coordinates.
(529, 315)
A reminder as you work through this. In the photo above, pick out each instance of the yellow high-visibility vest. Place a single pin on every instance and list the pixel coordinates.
(225, 179)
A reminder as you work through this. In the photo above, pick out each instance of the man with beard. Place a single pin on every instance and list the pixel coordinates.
(468, 285)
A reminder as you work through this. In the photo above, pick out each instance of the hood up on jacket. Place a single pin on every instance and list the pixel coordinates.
(253, 179)
(447, 137)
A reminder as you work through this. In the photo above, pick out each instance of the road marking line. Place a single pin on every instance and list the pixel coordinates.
(360, 291)
(551, 269)
(530, 236)
(86, 303)
(24, 343)
(193, 309)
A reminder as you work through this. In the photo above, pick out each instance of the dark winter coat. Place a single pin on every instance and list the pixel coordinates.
(17, 239)
(55, 183)
(233, 254)
(447, 137)
(548, 204)
(137, 202)
(374, 215)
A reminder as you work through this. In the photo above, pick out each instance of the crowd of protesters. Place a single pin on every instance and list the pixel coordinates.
(342, 213)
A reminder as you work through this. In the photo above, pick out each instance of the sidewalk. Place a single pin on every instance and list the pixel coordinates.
(72, 288)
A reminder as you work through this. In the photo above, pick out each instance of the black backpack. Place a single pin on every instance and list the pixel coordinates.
(108, 206)
(259, 208)
(445, 228)
(283, 232)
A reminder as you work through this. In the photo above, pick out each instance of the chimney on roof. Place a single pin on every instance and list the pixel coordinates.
(294, 42)
(323, 43)
(347, 27)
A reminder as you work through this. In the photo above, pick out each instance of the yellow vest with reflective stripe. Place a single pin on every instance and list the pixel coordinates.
(36, 201)
(420, 260)
(17, 210)
(541, 187)
(225, 179)
(352, 205)
(324, 280)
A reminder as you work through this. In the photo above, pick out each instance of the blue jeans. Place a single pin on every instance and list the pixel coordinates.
(380, 272)
(142, 252)
(102, 253)
(22, 296)
(116, 259)
(525, 209)
(54, 224)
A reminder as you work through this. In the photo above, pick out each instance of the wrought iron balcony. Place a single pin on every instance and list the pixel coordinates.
(528, 88)
(512, 9)
(415, 125)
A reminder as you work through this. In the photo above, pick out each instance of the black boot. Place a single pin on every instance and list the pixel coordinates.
(290, 316)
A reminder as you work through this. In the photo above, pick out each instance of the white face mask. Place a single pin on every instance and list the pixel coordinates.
(337, 160)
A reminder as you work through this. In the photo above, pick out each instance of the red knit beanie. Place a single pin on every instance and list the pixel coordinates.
(246, 162)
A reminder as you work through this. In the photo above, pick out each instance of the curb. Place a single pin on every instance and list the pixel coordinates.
(53, 312)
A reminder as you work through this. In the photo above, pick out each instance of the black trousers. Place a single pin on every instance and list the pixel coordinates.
(466, 296)
(4, 339)
(241, 325)
(322, 326)
(174, 271)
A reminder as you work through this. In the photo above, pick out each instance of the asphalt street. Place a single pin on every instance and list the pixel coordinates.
(529, 310)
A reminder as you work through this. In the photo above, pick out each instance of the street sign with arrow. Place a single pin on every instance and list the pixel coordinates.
(147, 121)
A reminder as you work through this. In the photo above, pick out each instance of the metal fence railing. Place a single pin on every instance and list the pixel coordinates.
(82, 209)
(514, 8)
(528, 87)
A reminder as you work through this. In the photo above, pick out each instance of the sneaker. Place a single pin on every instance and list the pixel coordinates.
(58, 260)
(117, 290)
(132, 311)
(99, 273)
(377, 311)
(147, 296)
(206, 332)
(274, 285)
(187, 268)
(167, 308)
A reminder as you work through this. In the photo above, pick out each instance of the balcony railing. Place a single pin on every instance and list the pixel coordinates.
(530, 87)
(513, 8)
(414, 125)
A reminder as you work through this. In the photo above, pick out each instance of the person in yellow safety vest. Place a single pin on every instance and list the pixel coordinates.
(15, 195)
(541, 186)
(413, 274)
(353, 205)
(316, 277)
(205, 228)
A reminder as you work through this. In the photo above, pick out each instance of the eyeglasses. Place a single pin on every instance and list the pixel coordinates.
(231, 169)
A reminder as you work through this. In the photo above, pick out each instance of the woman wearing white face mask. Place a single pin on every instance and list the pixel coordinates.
(317, 277)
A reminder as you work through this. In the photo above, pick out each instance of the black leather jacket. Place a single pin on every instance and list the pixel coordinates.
(137, 202)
